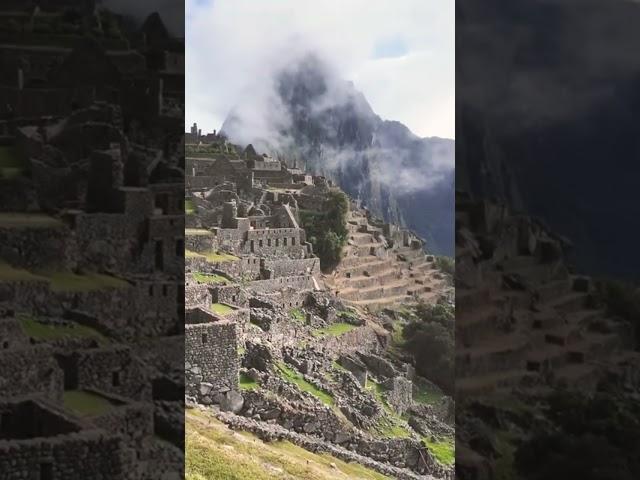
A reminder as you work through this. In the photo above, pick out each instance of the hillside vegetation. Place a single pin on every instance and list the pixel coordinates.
(213, 452)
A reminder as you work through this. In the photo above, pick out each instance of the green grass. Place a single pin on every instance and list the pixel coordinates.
(247, 383)
(62, 281)
(193, 232)
(391, 427)
(86, 404)
(28, 220)
(210, 278)
(335, 330)
(397, 336)
(337, 366)
(213, 452)
(215, 257)
(348, 314)
(298, 315)
(297, 378)
(221, 309)
(43, 331)
(189, 207)
(444, 451)
(212, 257)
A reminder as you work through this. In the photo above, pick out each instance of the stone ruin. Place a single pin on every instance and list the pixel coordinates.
(260, 311)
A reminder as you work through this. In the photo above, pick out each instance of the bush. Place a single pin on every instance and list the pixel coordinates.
(446, 265)
(430, 339)
(327, 230)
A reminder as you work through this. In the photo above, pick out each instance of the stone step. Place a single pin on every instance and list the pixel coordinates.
(368, 268)
(411, 254)
(356, 260)
(388, 290)
(363, 281)
(361, 238)
(381, 303)
(368, 248)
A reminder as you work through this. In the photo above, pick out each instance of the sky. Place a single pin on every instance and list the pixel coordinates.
(400, 54)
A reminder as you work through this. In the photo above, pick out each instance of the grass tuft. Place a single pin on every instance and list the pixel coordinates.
(296, 378)
(247, 383)
(221, 309)
(213, 452)
(210, 278)
(444, 451)
(335, 330)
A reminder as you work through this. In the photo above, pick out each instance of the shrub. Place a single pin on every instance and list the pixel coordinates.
(430, 339)
(327, 231)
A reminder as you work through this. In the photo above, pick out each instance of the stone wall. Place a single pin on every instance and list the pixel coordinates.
(399, 393)
(211, 355)
(247, 267)
(197, 294)
(362, 339)
(231, 295)
(283, 267)
(276, 241)
(299, 283)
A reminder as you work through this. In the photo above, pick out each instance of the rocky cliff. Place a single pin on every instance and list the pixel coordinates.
(319, 117)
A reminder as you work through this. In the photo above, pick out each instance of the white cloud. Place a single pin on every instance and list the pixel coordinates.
(234, 45)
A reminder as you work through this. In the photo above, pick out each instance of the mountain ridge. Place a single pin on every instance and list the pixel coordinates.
(313, 114)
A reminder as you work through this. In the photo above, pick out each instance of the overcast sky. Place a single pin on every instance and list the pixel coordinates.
(399, 53)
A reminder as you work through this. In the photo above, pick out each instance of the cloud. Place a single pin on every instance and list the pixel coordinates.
(399, 54)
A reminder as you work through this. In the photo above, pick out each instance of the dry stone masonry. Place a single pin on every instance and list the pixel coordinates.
(275, 345)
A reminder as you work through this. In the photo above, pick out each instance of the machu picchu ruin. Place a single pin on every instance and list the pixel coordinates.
(91, 245)
(295, 300)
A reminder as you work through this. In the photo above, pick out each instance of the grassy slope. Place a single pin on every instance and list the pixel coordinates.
(213, 452)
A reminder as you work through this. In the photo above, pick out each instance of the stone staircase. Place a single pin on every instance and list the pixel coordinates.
(373, 275)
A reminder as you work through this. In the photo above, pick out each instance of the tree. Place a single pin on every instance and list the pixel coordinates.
(430, 339)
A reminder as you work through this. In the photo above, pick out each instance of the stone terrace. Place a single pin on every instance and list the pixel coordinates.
(378, 272)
